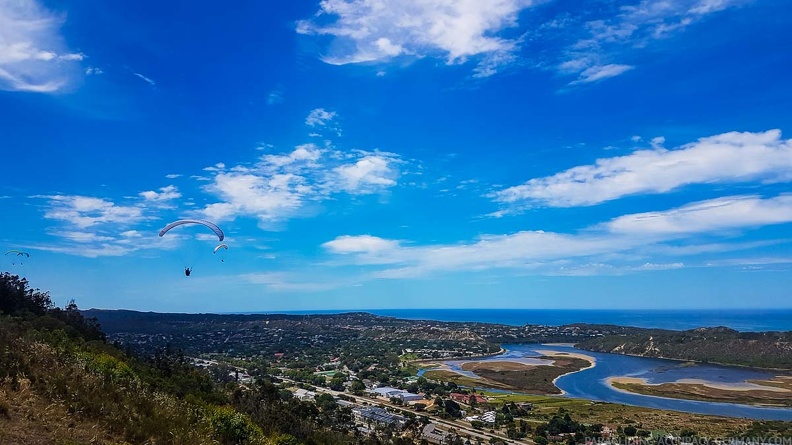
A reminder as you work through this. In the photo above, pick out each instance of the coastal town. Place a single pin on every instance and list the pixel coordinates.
(382, 377)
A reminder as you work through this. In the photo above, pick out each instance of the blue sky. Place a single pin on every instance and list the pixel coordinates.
(399, 153)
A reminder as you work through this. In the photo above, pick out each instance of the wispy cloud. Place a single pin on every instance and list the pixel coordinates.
(85, 211)
(96, 226)
(275, 96)
(595, 73)
(33, 55)
(644, 236)
(145, 79)
(731, 212)
(167, 193)
(378, 30)
(631, 28)
(726, 158)
(92, 227)
(319, 117)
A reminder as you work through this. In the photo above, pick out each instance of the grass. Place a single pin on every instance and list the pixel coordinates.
(527, 378)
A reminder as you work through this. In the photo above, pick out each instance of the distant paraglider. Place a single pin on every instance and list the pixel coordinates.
(18, 253)
(220, 246)
(211, 226)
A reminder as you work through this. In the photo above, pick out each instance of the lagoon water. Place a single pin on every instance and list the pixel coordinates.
(591, 383)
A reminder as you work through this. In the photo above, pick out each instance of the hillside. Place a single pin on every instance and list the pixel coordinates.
(61, 383)
(713, 345)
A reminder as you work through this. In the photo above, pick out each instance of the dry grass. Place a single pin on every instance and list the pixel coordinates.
(32, 420)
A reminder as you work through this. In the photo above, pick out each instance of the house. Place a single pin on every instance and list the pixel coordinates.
(432, 434)
(378, 415)
(488, 417)
(466, 398)
(304, 395)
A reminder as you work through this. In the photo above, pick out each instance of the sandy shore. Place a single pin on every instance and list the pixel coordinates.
(738, 386)
(588, 358)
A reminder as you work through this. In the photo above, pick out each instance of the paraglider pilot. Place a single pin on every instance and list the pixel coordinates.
(187, 271)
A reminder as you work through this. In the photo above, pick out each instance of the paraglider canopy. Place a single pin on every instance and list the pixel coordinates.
(221, 246)
(18, 253)
(211, 226)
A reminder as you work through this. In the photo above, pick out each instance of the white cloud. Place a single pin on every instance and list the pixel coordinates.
(599, 72)
(367, 175)
(631, 28)
(320, 117)
(94, 227)
(376, 30)
(167, 193)
(359, 244)
(266, 197)
(145, 79)
(172, 175)
(726, 158)
(628, 238)
(731, 212)
(279, 186)
(85, 211)
(93, 71)
(33, 55)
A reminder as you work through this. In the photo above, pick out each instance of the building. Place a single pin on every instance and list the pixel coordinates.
(432, 434)
(304, 395)
(466, 398)
(409, 397)
(488, 417)
(375, 414)
(386, 391)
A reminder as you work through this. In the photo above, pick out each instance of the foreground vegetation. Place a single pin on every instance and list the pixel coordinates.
(62, 383)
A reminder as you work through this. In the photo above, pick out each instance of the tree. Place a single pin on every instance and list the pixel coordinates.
(325, 402)
(630, 431)
(687, 432)
(357, 387)
(452, 408)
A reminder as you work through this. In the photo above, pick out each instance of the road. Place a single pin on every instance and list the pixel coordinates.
(459, 426)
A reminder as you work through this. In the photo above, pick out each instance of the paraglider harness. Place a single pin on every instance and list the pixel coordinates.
(187, 271)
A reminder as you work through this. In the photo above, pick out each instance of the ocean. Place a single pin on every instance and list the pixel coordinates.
(745, 320)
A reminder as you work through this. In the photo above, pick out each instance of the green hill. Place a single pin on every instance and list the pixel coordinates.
(62, 383)
(713, 345)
